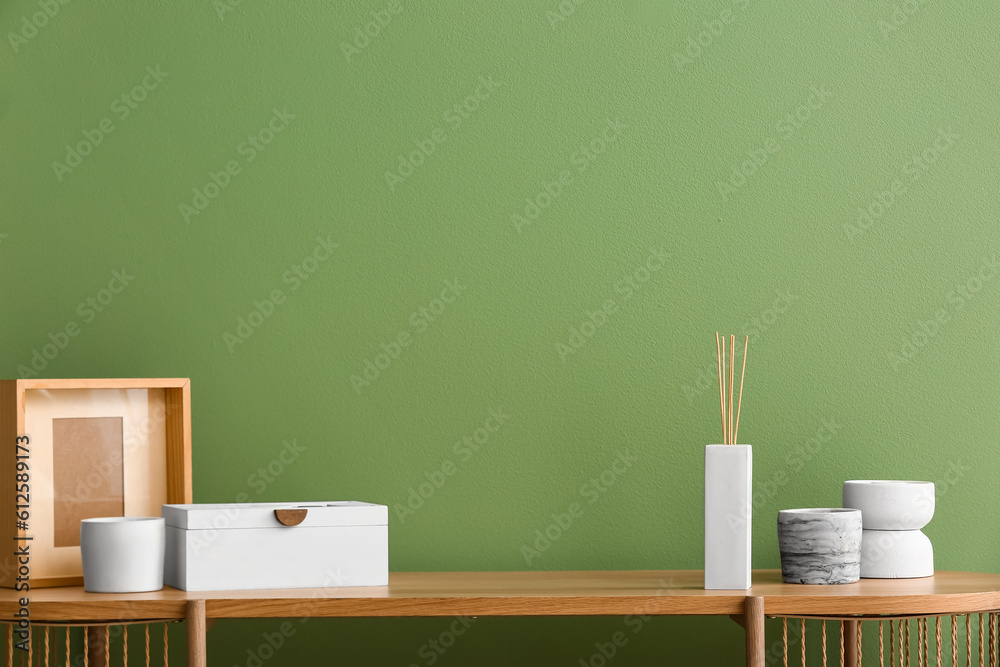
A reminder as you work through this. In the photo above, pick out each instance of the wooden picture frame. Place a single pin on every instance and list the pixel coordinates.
(117, 447)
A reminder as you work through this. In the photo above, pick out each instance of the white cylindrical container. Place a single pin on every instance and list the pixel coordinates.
(122, 554)
(728, 504)
(820, 545)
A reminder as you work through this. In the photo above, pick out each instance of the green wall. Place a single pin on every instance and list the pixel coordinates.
(564, 167)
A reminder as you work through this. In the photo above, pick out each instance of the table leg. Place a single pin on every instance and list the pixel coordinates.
(97, 651)
(851, 643)
(754, 619)
(197, 650)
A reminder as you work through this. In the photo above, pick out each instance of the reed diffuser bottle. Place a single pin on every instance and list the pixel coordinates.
(728, 486)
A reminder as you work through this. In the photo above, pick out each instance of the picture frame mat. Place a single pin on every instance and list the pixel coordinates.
(143, 461)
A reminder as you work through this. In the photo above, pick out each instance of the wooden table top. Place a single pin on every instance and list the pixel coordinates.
(654, 592)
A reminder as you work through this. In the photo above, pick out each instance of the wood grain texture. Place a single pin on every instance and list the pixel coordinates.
(656, 592)
(754, 627)
(196, 629)
(178, 433)
(96, 650)
(290, 517)
(944, 593)
(103, 383)
(8, 452)
(851, 643)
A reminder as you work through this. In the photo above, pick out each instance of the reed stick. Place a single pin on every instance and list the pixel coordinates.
(743, 373)
(718, 350)
(725, 426)
(732, 352)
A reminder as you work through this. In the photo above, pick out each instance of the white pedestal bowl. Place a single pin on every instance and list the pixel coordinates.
(891, 505)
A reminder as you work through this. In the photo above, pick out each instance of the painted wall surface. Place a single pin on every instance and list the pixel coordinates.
(387, 238)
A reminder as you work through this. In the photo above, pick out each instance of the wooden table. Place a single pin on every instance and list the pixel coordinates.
(655, 592)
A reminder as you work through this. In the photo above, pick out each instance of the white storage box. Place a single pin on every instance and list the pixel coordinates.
(276, 545)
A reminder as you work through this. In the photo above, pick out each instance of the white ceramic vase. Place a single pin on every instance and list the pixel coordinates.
(893, 512)
(122, 554)
(728, 516)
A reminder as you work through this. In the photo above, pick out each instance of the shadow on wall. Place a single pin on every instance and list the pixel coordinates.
(613, 641)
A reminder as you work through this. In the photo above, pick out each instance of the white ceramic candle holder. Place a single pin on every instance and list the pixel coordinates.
(122, 554)
(820, 545)
(890, 504)
(893, 512)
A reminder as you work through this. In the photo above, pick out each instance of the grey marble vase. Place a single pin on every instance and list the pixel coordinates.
(820, 545)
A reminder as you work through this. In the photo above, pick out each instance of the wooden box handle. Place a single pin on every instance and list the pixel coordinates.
(290, 517)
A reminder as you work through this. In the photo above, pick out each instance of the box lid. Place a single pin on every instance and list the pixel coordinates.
(262, 515)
